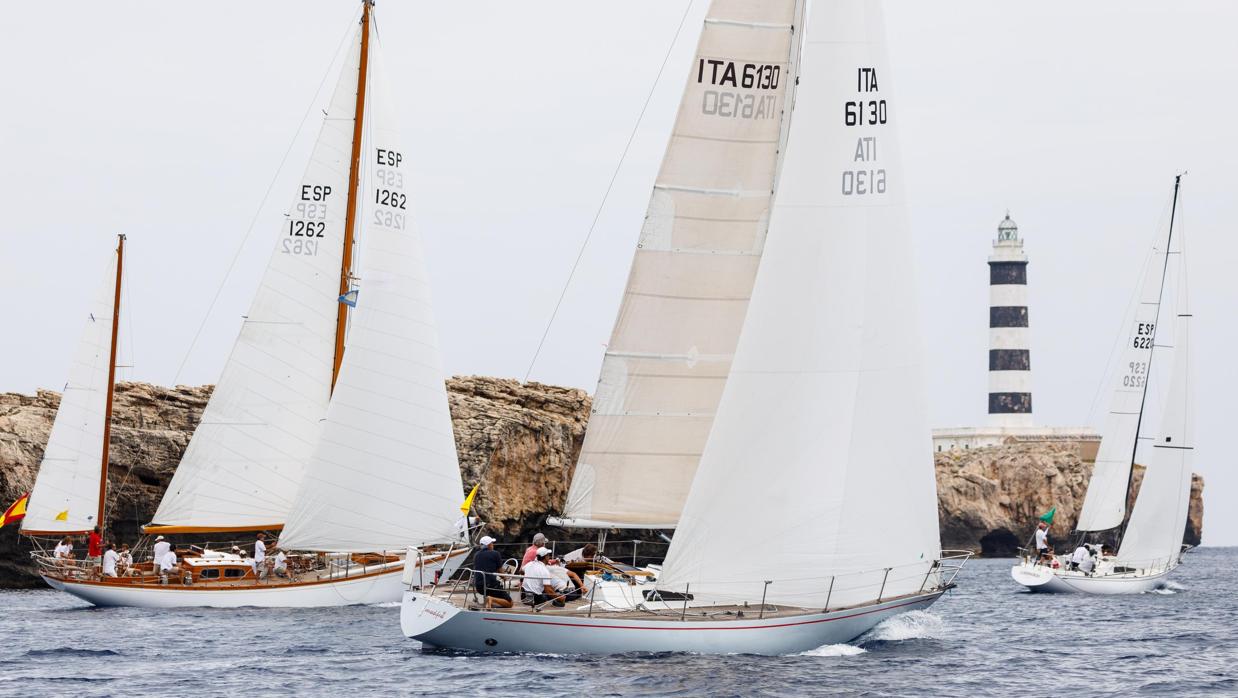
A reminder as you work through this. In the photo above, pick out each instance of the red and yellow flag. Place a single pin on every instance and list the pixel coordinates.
(15, 512)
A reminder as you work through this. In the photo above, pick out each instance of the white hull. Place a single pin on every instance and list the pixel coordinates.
(439, 624)
(1040, 578)
(384, 587)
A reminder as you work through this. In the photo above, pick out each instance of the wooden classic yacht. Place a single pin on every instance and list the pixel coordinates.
(329, 424)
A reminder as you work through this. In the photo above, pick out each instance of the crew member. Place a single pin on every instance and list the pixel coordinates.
(539, 541)
(485, 580)
(540, 584)
(110, 558)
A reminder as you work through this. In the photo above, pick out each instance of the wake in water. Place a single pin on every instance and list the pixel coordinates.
(913, 625)
(1169, 589)
(834, 651)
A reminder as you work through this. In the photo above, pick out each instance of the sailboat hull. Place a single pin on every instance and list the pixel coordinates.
(1039, 578)
(439, 624)
(384, 586)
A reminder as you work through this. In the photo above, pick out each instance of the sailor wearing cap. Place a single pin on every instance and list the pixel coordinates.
(159, 551)
(487, 562)
(540, 584)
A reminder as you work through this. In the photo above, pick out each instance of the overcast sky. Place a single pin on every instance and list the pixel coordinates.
(168, 121)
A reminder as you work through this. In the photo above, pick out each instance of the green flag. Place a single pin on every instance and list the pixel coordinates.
(1047, 517)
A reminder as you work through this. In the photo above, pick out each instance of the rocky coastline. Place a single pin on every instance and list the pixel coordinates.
(520, 441)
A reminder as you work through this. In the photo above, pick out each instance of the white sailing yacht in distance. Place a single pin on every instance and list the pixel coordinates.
(1151, 543)
(351, 452)
(823, 406)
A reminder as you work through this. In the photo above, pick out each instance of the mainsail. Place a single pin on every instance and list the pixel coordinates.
(692, 274)
(1104, 506)
(385, 472)
(821, 438)
(65, 498)
(247, 457)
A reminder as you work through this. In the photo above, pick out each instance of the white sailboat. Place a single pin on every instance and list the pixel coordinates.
(1150, 545)
(351, 453)
(822, 405)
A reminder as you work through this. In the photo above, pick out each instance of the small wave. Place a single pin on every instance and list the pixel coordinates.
(71, 652)
(841, 650)
(1168, 589)
(385, 604)
(912, 625)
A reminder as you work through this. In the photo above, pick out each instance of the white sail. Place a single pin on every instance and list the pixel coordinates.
(821, 443)
(1104, 506)
(248, 454)
(1157, 525)
(692, 275)
(69, 475)
(385, 473)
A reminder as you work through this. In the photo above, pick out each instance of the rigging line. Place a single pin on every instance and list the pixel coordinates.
(606, 195)
(262, 204)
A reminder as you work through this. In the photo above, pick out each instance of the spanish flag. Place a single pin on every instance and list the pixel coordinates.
(468, 501)
(15, 512)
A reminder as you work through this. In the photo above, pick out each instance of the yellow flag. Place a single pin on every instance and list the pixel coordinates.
(468, 501)
(63, 516)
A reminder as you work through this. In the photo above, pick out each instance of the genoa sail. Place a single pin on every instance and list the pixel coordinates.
(824, 406)
(691, 278)
(65, 498)
(1104, 505)
(385, 473)
(247, 456)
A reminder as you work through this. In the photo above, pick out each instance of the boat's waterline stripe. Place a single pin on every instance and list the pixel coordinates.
(591, 626)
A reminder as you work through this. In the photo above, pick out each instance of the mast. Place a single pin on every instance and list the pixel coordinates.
(354, 176)
(111, 382)
(1160, 297)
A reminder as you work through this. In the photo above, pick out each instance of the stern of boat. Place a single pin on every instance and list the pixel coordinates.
(1036, 578)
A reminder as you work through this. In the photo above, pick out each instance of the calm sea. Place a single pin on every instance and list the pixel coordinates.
(986, 638)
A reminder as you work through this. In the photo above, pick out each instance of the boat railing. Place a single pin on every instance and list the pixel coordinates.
(840, 591)
(1112, 564)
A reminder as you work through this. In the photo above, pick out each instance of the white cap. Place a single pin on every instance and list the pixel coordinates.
(158, 537)
(543, 552)
(485, 540)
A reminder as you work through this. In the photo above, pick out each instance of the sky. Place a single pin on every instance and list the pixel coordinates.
(170, 122)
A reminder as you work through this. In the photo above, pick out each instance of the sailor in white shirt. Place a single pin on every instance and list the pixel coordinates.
(110, 558)
(64, 549)
(260, 555)
(539, 582)
(281, 564)
(160, 549)
(1079, 557)
(167, 564)
(1042, 538)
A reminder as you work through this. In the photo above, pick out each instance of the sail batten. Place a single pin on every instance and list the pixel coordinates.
(691, 277)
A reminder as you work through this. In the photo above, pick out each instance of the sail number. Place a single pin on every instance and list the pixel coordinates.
(861, 182)
(1144, 335)
(870, 113)
(386, 197)
(731, 74)
(389, 219)
(1137, 375)
(308, 229)
(308, 248)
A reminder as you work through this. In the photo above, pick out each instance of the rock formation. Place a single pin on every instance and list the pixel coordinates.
(520, 441)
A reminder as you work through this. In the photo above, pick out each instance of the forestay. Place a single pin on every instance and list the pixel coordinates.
(821, 442)
(692, 274)
(69, 475)
(1154, 534)
(1104, 506)
(247, 457)
(385, 473)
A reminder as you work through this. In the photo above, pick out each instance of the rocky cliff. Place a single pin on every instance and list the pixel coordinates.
(520, 441)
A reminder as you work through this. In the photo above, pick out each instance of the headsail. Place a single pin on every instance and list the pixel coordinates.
(821, 432)
(65, 498)
(247, 457)
(692, 275)
(1104, 505)
(385, 473)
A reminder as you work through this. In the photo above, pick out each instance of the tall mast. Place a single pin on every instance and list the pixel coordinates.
(111, 381)
(1156, 328)
(354, 175)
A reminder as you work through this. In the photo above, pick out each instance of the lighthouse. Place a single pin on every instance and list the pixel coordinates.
(1010, 367)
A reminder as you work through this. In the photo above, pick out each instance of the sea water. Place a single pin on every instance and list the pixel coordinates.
(988, 637)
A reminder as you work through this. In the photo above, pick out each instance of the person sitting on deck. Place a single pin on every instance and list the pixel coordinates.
(564, 574)
(167, 564)
(588, 553)
(539, 541)
(1078, 557)
(281, 564)
(125, 559)
(540, 585)
(110, 559)
(64, 549)
(485, 565)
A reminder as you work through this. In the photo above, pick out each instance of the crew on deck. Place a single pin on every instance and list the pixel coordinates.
(485, 566)
(539, 541)
(542, 585)
(110, 560)
(158, 550)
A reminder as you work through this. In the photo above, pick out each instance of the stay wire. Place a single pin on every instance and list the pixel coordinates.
(606, 196)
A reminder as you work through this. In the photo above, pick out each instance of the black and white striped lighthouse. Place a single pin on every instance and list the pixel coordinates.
(1010, 367)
